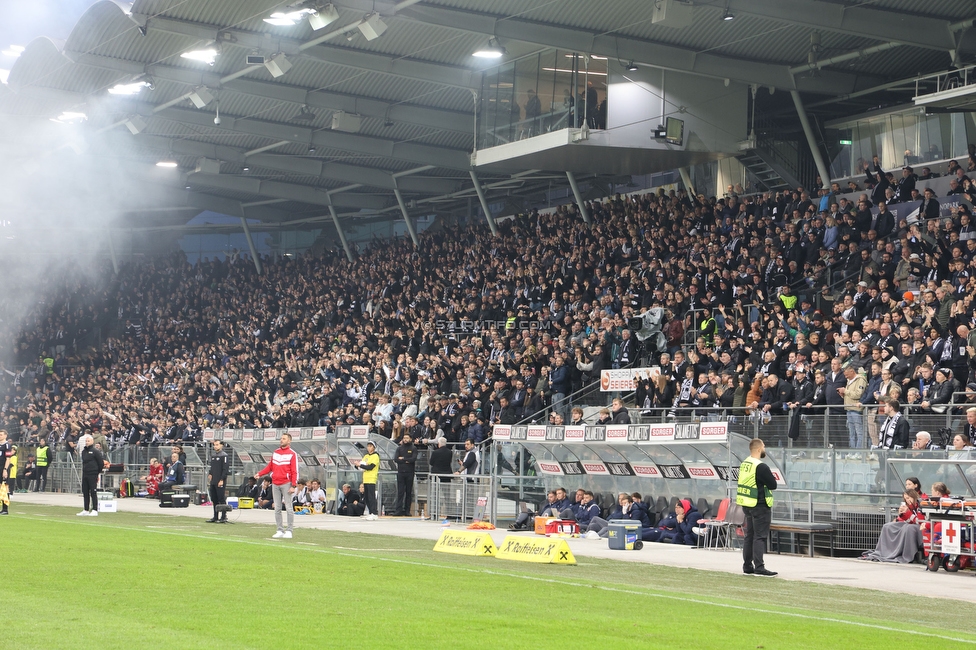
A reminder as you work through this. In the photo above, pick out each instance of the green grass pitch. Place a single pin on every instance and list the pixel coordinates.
(151, 581)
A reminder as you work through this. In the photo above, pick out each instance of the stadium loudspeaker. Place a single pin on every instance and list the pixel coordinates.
(323, 17)
(278, 65)
(135, 124)
(201, 97)
(372, 27)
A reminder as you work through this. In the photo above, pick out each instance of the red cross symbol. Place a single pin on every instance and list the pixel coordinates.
(951, 533)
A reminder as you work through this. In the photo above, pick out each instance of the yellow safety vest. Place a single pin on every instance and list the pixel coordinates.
(42, 456)
(702, 326)
(370, 476)
(12, 470)
(789, 302)
(747, 494)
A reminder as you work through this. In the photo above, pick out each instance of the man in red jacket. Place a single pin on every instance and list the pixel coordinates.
(284, 479)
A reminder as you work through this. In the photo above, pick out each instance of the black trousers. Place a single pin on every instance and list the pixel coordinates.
(41, 479)
(218, 497)
(404, 497)
(757, 530)
(369, 495)
(89, 491)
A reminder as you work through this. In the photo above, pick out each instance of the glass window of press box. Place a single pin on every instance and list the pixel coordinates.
(544, 92)
(898, 139)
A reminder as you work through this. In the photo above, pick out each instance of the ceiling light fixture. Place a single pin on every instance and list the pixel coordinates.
(13, 51)
(372, 27)
(590, 72)
(207, 55)
(70, 117)
(727, 16)
(168, 164)
(632, 67)
(287, 18)
(492, 51)
(246, 169)
(311, 148)
(128, 89)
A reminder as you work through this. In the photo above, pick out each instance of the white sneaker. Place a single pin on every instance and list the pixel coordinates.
(93, 513)
(83, 513)
(698, 530)
(373, 517)
(287, 534)
(592, 535)
(278, 535)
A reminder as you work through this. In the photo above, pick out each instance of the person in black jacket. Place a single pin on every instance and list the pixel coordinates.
(217, 479)
(469, 461)
(894, 432)
(620, 414)
(406, 457)
(92, 464)
(440, 460)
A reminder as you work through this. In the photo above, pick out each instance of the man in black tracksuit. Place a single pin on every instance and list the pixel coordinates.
(406, 457)
(217, 478)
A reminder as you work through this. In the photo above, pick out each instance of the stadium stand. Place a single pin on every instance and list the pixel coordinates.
(754, 288)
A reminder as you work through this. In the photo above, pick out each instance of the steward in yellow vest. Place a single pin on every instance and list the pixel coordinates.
(754, 496)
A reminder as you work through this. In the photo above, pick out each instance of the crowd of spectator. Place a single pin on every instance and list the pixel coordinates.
(779, 298)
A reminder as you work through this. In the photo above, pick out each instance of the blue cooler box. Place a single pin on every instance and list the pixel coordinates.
(625, 535)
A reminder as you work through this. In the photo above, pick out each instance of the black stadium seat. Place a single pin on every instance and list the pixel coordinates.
(702, 506)
(661, 507)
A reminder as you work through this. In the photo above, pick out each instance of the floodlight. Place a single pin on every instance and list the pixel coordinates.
(492, 51)
(207, 55)
(128, 89)
(168, 164)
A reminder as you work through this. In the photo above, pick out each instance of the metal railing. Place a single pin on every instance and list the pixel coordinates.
(821, 427)
(460, 498)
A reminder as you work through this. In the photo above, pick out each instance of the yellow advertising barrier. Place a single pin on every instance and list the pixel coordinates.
(465, 542)
(532, 549)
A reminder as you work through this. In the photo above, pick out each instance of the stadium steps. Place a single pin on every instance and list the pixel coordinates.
(772, 176)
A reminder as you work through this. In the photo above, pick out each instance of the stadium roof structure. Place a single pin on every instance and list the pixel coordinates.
(413, 86)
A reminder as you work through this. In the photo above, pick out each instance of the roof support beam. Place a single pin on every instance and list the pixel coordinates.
(484, 203)
(445, 75)
(361, 144)
(434, 118)
(325, 170)
(342, 234)
(649, 53)
(863, 21)
(289, 191)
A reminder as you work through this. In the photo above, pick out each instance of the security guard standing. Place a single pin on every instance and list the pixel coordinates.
(217, 478)
(43, 458)
(754, 496)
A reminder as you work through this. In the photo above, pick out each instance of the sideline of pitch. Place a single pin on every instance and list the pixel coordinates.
(908, 579)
